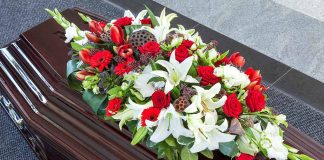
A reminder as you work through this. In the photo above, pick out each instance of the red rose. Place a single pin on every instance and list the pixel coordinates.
(181, 53)
(113, 106)
(232, 106)
(237, 59)
(160, 99)
(85, 56)
(151, 47)
(125, 21)
(96, 27)
(244, 156)
(80, 75)
(187, 43)
(101, 59)
(122, 68)
(150, 114)
(146, 21)
(255, 100)
(117, 35)
(207, 75)
(125, 50)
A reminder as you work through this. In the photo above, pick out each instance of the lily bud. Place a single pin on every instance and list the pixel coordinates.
(85, 56)
(93, 38)
(80, 75)
(117, 35)
(96, 27)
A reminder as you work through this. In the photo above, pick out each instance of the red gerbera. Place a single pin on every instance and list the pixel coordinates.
(125, 21)
(150, 114)
(122, 68)
(101, 59)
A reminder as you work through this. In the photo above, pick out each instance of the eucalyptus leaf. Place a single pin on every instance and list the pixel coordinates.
(185, 140)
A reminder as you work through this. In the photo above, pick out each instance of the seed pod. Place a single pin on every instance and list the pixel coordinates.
(181, 103)
(139, 38)
(105, 37)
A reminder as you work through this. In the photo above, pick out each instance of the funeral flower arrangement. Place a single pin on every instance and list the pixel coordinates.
(174, 92)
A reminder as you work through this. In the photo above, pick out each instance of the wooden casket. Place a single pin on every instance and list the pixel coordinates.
(54, 119)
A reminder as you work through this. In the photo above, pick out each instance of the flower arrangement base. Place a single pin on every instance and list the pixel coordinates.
(53, 117)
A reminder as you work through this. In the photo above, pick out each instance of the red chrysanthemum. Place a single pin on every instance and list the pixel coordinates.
(125, 21)
(101, 59)
(122, 68)
(150, 114)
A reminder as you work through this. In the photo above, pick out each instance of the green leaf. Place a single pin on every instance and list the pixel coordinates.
(130, 28)
(114, 91)
(304, 157)
(175, 93)
(185, 140)
(84, 17)
(149, 143)
(50, 12)
(74, 83)
(187, 155)
(140, 134)
(71, 66)
(94, 100)
(131, 125)
(156, 79)
(192, 71)
(207, 153)
(171, 141)
(229, 148)
(76, 46)
(223, 55)
(152, 16)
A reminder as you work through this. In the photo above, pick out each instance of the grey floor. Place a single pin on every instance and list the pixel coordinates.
(290, 33)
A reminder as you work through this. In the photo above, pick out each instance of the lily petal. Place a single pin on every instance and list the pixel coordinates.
(161, 132)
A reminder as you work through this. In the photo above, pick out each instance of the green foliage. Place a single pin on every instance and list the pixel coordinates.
(57, 16)
(84, 17)
(71, 68)
(187, 155)
(130, 28)
(94, 100)
(140, 134)
(185, 140)
(229, 148)
(208, 153)
(152, 16)
(76, 46)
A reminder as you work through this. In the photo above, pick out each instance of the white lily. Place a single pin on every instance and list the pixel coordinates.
(176, 72)
(141, 82)
(169, 122)
(137, 19)
(163, 29)
(207, 134)
(203, 100)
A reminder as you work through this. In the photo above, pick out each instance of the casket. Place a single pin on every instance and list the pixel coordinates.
(54, 119)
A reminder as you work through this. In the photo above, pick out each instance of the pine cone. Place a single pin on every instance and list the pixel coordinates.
(139, 38)
(181, 103)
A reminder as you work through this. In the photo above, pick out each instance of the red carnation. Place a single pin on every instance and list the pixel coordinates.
(146, 21)
(187, 43)
(125, 21)
(207, 75)
(125, 50)
(113, 106)
(122, 68)
(232, 106)
(244, 156)
(101, 59)
(150, 114)
(160, 99)
(237, 59)
(151, 47)
(181, 53)
(255, 100)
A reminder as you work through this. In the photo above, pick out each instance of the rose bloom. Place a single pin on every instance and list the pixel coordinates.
(146, 21)
(125, 21)
(187, 43)
(160, 99)
(113, 106)
(101, 59)
(237, 59)
(207, 75)
(181, 53)
(125, 50)
(244, 156)
(122, 68)
(232, 106)
(150, 47)
(150, 114)
(255, 100)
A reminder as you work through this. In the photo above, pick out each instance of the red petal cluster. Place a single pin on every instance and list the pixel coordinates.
(207, 75)
(151, 47)
(101, 59)
(181, 53)
(232, 106)
(237, 60)
(125, 21)
(160, 99)
(244, 156)
(255, 78)
(150, 114)
(113, 106)
(255, 100)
